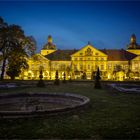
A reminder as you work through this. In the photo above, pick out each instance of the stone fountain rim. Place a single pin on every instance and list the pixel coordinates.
(23, 114)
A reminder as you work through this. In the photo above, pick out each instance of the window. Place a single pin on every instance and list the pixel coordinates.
(63, 66)
(136, 66)
(126, 67)
(115, 67)
(88, 58)
(38, 66)
(81, 66)
(102, 59)
(89, 67)
(75, 67)
(109, 66)
(102, 67)
(32, 66)
(96, 67)
(96, 58)
(96, 54)
(44, 65)
(81, 58)
(81, 53)
(75, 59)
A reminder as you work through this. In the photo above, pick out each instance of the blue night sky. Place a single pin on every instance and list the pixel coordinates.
(72, 24)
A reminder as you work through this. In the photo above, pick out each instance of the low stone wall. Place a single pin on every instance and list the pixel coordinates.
(125, 88)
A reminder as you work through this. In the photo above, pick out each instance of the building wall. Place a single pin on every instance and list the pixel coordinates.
(83, 65)
(135, 68)
(116, 70)
(86, 61)
(36, 63)
(61, 66)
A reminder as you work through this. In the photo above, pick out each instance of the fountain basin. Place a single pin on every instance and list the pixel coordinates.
(37, 104)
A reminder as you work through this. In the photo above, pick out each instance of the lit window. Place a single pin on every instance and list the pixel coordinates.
(109, 66)
(75, 67)
(89, 67)
(102, 67)
(102, 59)
(81, 66)
(75, 59)
(32, 66)
(126, 66)
(44, 65)
(88, 59)
(136, 66)
(81, 58)
(96, 67)
(96, 59)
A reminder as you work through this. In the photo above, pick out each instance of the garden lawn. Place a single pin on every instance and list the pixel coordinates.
(110, 114)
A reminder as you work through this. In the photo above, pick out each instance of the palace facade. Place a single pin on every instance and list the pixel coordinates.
(82, 64)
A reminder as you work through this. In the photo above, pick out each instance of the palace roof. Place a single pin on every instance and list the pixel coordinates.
(113, 55)
(118, 55)
(61, 55)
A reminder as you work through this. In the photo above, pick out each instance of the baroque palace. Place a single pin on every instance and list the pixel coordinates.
(82, 64)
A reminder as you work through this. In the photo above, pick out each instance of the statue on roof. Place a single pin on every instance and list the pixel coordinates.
(49, 45)
(133, 44)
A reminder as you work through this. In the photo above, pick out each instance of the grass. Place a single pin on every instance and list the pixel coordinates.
(110, 115)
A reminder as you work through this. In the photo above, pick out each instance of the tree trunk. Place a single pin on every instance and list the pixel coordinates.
(3, 69)
(12, 77)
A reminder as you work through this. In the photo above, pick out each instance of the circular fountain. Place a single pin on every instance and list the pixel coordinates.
(37, 104)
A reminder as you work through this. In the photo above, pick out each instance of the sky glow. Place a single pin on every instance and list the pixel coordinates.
(72, 24)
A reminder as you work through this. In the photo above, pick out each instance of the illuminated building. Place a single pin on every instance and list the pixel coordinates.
(82, 64)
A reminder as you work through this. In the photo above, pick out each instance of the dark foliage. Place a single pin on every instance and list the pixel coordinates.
(56, 82)
(41, 82)
(97, 80)
(16, 62)
(13, 72)
(64, 80)
(14, 41)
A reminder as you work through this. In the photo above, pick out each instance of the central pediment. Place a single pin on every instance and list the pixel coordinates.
(89, 50)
